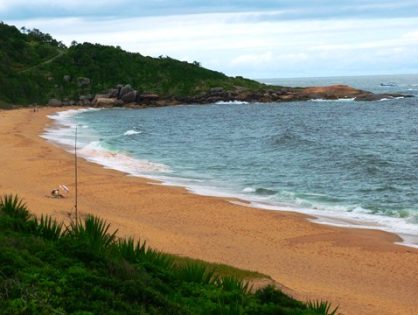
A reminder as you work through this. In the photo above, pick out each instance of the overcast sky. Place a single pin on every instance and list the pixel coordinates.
(257, 39)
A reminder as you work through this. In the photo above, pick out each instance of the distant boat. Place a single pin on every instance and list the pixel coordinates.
(388, 84)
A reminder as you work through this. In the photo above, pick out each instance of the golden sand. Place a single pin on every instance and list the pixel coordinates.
(363, 271)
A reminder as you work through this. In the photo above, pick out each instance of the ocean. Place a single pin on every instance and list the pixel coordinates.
(348, 163)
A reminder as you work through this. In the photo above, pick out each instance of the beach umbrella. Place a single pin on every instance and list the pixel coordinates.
(65, 189)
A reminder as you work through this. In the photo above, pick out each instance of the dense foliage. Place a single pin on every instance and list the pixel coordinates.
(46, 268)
(34, 67)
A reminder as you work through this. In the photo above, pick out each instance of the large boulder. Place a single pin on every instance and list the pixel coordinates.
(114, 93)
(147, 98)
(125, 90)
(54, 102)
(106, 102)
(331, 92)
(85, 100)
(129, 97)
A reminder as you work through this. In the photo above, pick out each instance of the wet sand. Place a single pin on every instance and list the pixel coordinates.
(363, 271)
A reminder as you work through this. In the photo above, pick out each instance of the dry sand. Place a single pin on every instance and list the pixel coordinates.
(360, 270)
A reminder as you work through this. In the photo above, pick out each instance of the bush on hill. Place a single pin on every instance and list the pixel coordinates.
(34, 67)
(46, 268)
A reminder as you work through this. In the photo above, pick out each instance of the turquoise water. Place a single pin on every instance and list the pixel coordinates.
(349, 163)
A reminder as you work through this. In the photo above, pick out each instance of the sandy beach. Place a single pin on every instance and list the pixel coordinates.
(363, 271)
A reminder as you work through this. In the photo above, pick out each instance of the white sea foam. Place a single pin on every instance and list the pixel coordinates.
(231, 102)
(337, 215)
(89, 148)
(94, 152)
(356, 219)
(336, 100)
(131, 132)
(392, 98)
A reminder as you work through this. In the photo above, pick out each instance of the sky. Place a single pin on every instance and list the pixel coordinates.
(255, 39)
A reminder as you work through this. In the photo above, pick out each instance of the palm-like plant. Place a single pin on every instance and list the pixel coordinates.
(93, 232)
(197, 273)
(130, 250)
(230, 283)
(158, 259)
(321, 307)
(48, 228)
(13, 206)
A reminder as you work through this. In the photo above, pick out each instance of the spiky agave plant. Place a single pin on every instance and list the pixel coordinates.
(197, 273)
(230, 283)
(14, 206)
(48, 228)
(130, 250)
(321, 307)
(158, 259)
(93, 232)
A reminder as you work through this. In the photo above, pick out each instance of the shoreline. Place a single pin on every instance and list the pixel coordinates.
(63, 122)
(348, 267)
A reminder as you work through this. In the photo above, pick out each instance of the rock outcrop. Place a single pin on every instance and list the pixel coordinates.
(125, 95)
(54, 102)
(129, 97)
(106, 102)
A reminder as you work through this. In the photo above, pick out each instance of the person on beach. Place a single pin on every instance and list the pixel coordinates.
(55, 193)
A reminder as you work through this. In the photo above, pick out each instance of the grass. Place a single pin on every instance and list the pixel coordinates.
(221, 269)
(86, 269)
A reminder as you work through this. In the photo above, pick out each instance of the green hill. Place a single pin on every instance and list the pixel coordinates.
(46, 268)
(34, 67)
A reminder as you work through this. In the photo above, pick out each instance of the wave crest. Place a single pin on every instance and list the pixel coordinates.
(131, 132)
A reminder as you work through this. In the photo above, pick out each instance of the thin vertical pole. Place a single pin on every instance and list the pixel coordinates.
(76, 177)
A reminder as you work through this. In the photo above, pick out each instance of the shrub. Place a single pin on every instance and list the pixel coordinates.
(130, 250)
(195, 272)
(321, 307)
(16, 211)
(48, 228)
(13, 206)
(93, 232)
(158, 259)
(230, 283)
(270, 294)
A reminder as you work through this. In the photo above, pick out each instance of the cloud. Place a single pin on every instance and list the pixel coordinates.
(261, 59)
(255, 43)
(289, 9)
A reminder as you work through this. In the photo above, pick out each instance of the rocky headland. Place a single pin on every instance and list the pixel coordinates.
(125, 95)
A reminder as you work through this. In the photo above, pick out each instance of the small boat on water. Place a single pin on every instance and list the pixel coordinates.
(388, 84)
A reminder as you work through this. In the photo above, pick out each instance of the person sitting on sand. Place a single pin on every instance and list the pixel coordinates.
(55, 193)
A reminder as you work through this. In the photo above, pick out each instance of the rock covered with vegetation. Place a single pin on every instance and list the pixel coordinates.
(84, 268)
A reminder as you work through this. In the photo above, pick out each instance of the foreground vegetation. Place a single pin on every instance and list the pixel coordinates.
(84, 268)
(34, 67)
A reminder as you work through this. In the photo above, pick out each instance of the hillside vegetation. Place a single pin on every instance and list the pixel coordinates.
(84, 268)
(34, 67)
